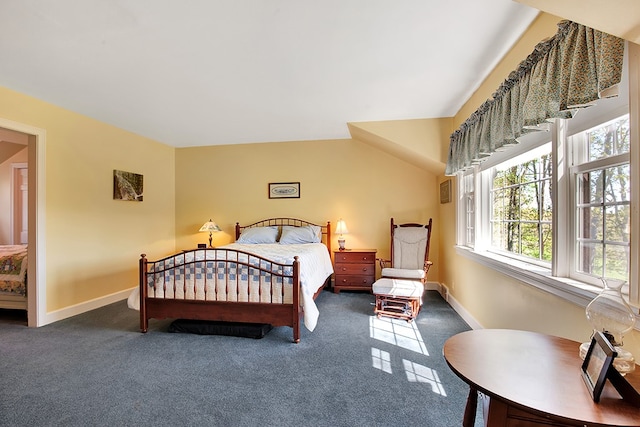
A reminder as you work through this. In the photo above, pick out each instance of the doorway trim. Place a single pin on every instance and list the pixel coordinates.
(36, 271)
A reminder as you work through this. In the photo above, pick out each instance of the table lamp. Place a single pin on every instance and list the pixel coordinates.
(341, 228)
(210, 226)
(610, 314)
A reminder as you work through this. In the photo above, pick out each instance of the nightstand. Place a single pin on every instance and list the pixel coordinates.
(355, 269)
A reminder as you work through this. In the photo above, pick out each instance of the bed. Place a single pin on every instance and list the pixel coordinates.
(272, 274)
(13, 277)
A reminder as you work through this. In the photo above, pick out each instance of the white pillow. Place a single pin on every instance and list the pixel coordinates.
(258, 235)
(294, 235)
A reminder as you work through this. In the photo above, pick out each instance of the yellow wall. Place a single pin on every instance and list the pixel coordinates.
(495, 300)
(92, 241)
(410, 140)
(339, 179)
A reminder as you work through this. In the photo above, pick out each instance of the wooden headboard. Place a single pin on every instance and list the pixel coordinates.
(325, 229)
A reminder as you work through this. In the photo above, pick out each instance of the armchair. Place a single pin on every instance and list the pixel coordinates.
(399, 290)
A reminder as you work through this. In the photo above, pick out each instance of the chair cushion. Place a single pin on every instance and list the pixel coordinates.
(402, 273)
(398, 288)
(409, 247)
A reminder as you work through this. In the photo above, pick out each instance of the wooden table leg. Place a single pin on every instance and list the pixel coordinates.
(469, 419)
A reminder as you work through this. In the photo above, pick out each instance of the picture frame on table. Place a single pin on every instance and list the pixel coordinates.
(596, 364)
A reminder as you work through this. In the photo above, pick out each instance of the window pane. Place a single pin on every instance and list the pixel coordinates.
(512, 237)
(593, 224)
(590, 187)
(609, 139)
(617, 223)
(617, 262)
(547, 242)
(617, 184)
(590, 259)
(469, 209)
(547, 211)
(529, 203)
(521, 205)
(530, 240)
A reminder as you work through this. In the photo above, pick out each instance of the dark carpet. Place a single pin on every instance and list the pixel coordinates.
(97, 369)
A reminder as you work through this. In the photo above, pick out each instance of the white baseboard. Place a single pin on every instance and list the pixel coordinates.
(74, 310)
(462, 312)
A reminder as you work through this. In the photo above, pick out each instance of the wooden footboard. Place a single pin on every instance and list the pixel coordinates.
(221, 285)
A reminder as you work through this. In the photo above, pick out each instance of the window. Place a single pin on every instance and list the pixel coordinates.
(554, 210)
(521, 205)
(469, 208)
(601, 176)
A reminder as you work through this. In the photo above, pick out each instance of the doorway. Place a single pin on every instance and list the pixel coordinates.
(30, 184)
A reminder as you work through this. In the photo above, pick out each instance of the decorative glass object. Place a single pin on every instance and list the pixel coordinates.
(610, 314)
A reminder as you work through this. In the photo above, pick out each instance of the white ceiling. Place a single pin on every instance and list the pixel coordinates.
(208, 72)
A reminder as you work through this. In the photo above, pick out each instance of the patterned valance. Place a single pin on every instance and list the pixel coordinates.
(572, 69)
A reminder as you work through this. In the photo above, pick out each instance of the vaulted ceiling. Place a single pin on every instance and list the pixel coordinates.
(207, 72)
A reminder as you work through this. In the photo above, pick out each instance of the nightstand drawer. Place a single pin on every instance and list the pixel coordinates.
(349, 280)
(355, 257)
(355, 269)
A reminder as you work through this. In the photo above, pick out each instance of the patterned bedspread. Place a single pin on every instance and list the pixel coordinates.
(209, 278)
(13, 269)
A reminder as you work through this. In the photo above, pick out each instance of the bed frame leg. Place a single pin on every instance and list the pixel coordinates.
(296, 328)
(144, 324)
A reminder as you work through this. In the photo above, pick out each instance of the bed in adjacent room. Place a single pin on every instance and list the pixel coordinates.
(272, 274)
(13, 276)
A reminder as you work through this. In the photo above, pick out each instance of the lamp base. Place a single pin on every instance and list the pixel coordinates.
(341, 244)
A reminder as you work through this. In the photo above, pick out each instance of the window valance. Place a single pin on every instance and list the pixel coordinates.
(570, 70)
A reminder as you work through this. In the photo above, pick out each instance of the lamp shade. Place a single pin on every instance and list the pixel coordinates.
(210, 226)
(341, 227)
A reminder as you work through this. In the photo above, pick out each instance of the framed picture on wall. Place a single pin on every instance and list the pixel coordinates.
(284, 190)
(127, 186)
(445, 191)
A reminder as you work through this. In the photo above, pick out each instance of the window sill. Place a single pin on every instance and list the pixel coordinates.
(570, 290)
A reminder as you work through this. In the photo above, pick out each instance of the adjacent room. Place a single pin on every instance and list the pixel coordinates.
(252, 168)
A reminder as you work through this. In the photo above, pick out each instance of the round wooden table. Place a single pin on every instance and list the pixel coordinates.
(532, 379)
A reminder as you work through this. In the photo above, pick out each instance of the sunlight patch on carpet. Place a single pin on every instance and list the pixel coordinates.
(397, 332)
(381, 360)
(422, 374)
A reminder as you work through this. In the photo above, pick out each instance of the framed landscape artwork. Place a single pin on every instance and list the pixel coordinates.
(127, 186)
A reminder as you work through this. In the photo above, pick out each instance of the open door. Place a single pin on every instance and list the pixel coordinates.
(20, 204)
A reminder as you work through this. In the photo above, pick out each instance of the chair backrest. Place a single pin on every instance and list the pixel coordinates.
(410, 245)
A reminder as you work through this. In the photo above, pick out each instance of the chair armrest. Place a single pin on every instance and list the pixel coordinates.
(383, 262)
(427, 266)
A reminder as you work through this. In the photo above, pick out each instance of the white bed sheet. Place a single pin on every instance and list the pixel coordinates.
(315, 268)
